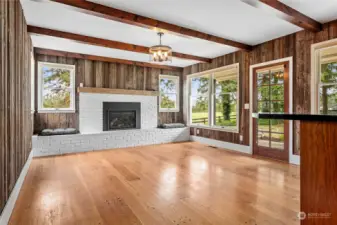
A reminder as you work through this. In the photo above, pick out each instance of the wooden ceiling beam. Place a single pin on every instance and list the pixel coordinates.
(51, 52)
(114, 14)
(293, 16)
(107, 43)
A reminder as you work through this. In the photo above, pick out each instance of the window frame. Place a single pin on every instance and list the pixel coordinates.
(211, 97)
(71, 109)
(176, 79)
(316, 84)
(32, 83)
(208, 95)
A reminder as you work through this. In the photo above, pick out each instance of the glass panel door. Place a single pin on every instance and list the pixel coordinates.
(270, 97)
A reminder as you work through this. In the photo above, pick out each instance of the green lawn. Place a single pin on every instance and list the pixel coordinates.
(219, 122)
(263, 124)
(197, 115)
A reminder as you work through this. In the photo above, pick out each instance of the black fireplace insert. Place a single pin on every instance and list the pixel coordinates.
(121, 115)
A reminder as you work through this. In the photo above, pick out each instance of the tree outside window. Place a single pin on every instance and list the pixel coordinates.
(226, 102)
(214, 98)
(199, 100)
(328, 89)
(169, 93)
(56, 87)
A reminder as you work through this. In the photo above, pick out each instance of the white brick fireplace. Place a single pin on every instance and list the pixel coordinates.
(93, 137)
(91, 110)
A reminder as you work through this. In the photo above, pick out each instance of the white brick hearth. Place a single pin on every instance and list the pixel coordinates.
(91, 110)
(65, 144)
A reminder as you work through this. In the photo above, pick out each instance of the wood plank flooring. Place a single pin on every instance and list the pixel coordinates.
(175, 184)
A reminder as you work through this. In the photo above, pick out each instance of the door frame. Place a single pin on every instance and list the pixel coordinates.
(270, 152)
(293, 159)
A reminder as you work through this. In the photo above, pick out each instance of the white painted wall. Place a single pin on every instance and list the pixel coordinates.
(222, 144)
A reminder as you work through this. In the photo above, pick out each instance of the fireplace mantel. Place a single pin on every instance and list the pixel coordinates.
(116, 91)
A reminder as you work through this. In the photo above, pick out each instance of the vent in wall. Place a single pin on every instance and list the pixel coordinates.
(212, 146)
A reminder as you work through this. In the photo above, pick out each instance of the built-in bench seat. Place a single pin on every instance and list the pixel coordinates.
(65, 144)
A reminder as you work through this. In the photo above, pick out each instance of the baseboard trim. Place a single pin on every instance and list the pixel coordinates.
(7, 211)
(295, 159)
(222, 144)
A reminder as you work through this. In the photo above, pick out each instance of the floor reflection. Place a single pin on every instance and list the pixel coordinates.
(168, 182)
(186, 183)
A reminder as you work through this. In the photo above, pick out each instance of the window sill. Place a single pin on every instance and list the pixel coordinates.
(169, 110)
(236, 131)
(56, 111)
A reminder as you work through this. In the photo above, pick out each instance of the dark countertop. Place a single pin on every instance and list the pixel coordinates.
(287, 116)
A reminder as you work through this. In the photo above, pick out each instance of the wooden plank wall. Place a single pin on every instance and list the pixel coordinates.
(297, 45)
(240, 57)
(15, 112)
(106, 75)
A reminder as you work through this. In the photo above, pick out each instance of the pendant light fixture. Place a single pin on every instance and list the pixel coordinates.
(160, 53)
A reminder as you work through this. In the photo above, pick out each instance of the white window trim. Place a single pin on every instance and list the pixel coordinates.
(293, 159)
(211, 125)
(40, 89)
(32, 83)
(316, 71)
(176, 79)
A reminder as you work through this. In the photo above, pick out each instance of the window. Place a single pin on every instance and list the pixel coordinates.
(326, 81)
(56, 87)
(225, 102)
(214, 99)
(327, 87)
(169, 93)
(200, 100)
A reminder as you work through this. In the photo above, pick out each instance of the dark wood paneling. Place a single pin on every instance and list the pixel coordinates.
(237, 57)
(50, 52)
(276, 49)
(319, 172)
(105, 75)
(15, 112)
(298, 46)
(302, 70)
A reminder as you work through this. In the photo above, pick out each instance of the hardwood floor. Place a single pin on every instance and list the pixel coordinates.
(176, 184)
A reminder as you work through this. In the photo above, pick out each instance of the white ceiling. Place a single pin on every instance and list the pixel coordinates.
(56, 16)
(321, 10)
(73, 46)
(231, 19)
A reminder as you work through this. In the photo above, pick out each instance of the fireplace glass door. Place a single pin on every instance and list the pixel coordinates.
(122, 120)
(121, 115)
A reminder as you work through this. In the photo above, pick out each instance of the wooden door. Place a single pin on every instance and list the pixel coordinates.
(271, 95)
